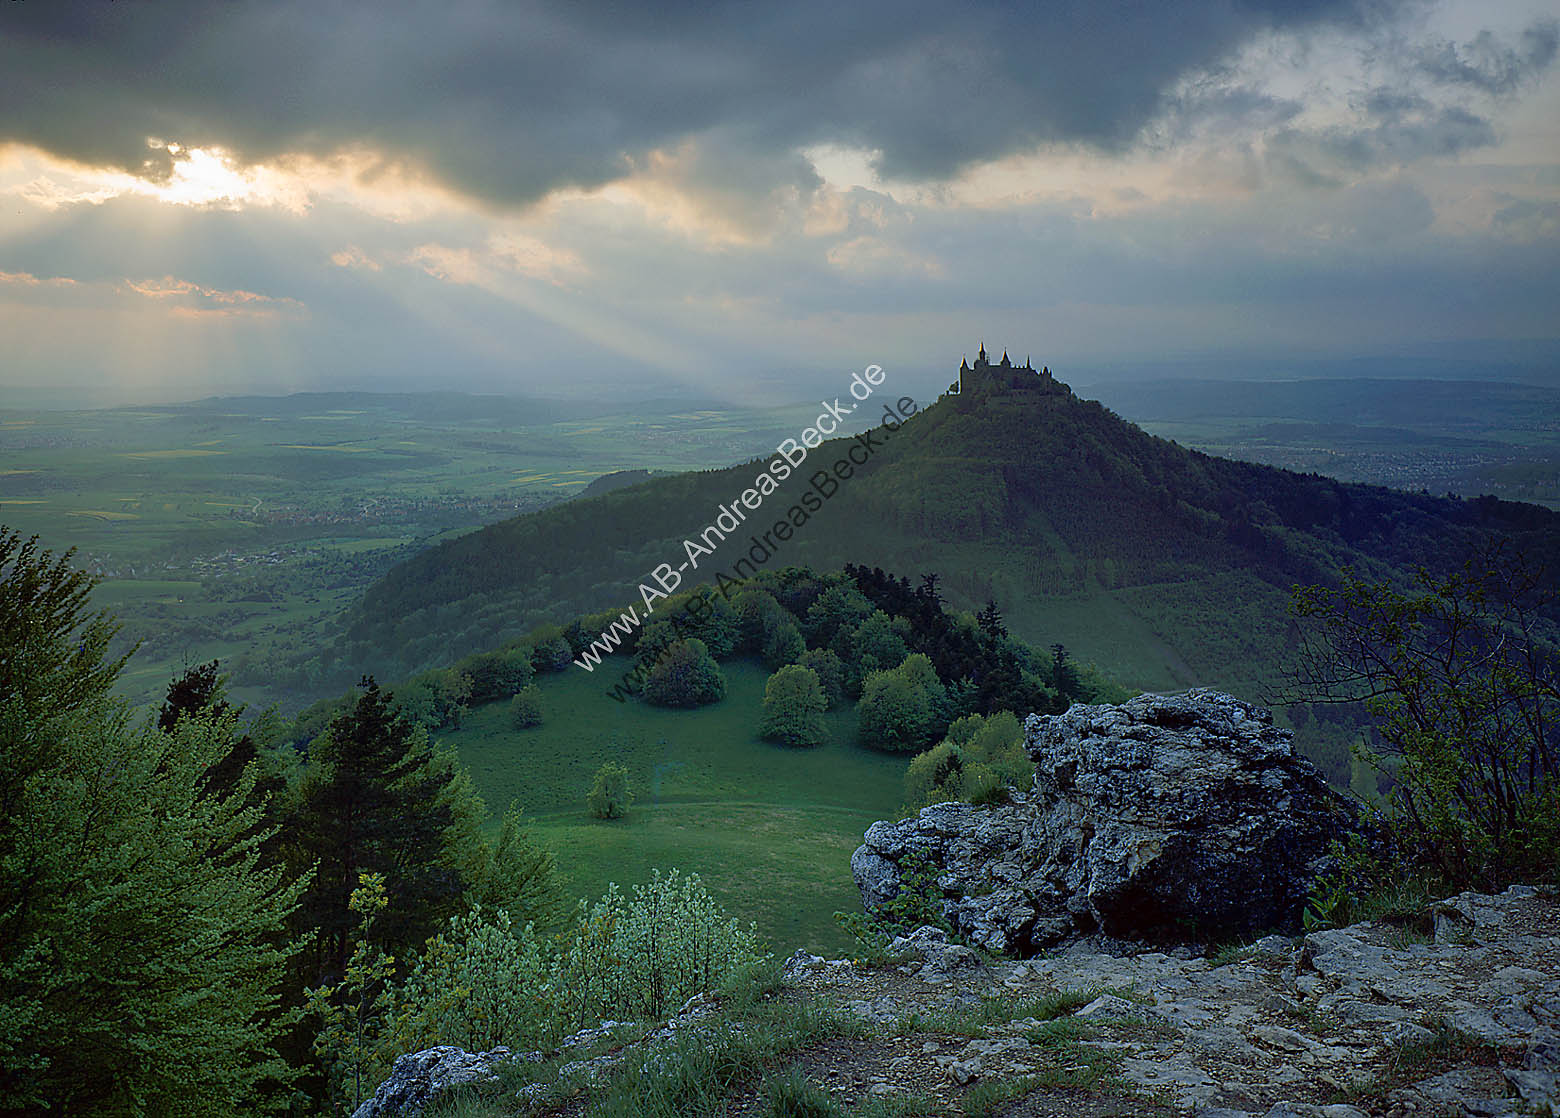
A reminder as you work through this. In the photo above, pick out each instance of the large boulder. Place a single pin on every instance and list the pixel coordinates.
(418, 1078)
(1166, 819)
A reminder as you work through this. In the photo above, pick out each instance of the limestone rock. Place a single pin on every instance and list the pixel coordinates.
(418, 1078)
(1162, 819)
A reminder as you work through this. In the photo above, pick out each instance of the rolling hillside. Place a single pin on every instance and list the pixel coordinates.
(1164, 566)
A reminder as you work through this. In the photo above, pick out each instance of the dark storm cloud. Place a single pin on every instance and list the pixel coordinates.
(508, 101)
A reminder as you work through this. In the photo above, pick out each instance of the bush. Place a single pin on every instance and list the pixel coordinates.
(1460, 675)
(685, 676)
(896, 708)
(793, 707)
(525, 709)
(610, 794)
(878, 644)
(643, 955)
(518, 875)
(480, 983)
(497, 675)
(784, 645)
(830, 670)
(980, 756)
(552, 655)
(893, 714)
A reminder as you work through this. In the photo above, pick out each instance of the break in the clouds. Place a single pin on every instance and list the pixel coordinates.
(275, 195)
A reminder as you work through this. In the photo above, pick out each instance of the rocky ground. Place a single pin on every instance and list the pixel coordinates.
(1458, 1017)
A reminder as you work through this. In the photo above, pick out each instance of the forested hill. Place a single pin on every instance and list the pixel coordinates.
(1165, 566)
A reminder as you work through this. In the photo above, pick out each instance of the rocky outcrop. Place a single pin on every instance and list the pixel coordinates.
(418, 1078)
(1464, 1023)
(1168, 818)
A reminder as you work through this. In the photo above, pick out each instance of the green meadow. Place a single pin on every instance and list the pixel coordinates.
(770, 829)
(235, 528)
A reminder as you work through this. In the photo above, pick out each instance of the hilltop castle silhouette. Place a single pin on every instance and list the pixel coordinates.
(983, 376)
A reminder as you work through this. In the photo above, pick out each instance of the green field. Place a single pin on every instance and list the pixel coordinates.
(770, 829)
(235, 528)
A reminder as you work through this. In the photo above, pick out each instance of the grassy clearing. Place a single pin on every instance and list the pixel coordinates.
(770, 829)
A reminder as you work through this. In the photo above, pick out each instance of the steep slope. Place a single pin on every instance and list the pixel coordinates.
(1166, 566)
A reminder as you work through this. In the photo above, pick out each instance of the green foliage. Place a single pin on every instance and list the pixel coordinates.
(1462, 678)
(784, 645)
(979, 756)
(760, 620)
(375, 799)
(525, 709)
(552, 654)
(830, 670)
(610, 795)
(895, 711)
(641, 955)
(877, 644)
(519, 877)
(435, 699)
(481, 983)
(139, 959)
(919, 903)
(498, 674)
(356, 1014)
(794, 707)
(685, 676)
(1367, 882)
(838, 609)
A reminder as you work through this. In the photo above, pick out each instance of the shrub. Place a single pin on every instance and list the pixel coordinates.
(896, 708)
(641, 955)
(793, 707)
(980, 756)
(830, 670)
(497, 675)
(686, 676)
(841, 607)
(610, 794)
(480, 983)
(552, 655)
(434, 700)
(784, 645)
(1460, 676)
(525, 709)
(893, 714)
(518, 875)
(878, 644)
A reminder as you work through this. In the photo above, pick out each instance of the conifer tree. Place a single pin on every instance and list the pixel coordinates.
(373, 801)
(139, 961)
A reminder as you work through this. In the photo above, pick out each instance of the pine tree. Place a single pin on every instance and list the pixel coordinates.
(139, 961)
(373, 801)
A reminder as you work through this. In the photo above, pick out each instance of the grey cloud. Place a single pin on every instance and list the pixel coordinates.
(1323, 157)
(510, 101)
(1489, 65)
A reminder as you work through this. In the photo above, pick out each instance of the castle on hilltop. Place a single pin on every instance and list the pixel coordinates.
(983, 376)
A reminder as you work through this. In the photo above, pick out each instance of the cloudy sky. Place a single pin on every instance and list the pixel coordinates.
(750, 200)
